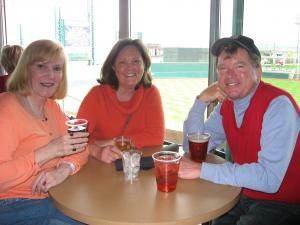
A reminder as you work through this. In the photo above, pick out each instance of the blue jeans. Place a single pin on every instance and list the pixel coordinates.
(23, 211)
(260, 212)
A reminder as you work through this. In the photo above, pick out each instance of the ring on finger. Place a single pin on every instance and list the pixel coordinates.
(74, 148)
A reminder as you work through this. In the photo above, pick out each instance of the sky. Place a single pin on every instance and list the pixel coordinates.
(171, 23)
(267, 21)
(272, 21)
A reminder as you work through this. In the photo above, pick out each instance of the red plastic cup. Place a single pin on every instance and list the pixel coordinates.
(166, 166)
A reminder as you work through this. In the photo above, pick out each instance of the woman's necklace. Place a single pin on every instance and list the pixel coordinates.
(40, 114)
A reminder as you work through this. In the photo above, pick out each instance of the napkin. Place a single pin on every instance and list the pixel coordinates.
(145, 163)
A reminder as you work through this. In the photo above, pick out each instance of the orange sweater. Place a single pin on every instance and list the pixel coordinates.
(20, 135)
(107, 115)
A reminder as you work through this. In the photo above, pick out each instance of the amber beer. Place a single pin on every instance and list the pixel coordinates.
(123, 143)
(198, 143)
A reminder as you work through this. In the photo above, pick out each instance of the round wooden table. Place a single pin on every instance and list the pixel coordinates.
(99, 194)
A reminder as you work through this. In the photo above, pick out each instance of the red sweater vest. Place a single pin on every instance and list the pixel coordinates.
(244, 142)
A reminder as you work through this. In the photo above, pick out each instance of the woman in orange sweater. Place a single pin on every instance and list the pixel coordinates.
(125, 103)
(36, 152)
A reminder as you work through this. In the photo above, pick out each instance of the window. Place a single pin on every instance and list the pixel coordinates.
(176, 33)
(177, 38)
(87, 31)
(276, 34)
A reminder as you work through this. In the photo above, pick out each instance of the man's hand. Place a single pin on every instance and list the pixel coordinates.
(212, 93)
(189, 169)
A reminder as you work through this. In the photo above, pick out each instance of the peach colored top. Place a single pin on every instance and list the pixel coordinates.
(21, 134)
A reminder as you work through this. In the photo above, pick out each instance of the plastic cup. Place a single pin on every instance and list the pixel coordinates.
(76, 125)
(131, 164)
(198, 143)
(166, 166)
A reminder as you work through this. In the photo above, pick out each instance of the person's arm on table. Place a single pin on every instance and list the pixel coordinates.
(66, 167)
(68, 164)
(279, 134)
(46, 180)
(189, 169)
(195, 120)
(19, 169)
(104, 150)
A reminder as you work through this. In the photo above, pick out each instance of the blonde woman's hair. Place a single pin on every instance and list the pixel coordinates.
(40, 50)
(10, 55)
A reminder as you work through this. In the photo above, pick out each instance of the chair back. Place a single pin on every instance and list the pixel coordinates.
(3, 79)
(173, 136)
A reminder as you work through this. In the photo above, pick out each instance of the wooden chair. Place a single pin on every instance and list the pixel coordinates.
(173, 136)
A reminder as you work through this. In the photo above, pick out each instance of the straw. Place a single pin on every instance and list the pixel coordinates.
(131, 165)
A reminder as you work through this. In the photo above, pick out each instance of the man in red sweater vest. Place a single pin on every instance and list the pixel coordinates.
(261, 124)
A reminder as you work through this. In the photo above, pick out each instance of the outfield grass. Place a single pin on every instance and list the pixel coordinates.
(292, 86)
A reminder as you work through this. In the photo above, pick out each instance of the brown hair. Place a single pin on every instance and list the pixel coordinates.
(10, 55)
(108, 75)
(40, 50)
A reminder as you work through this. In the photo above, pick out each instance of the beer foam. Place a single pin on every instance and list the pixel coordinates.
(198, 140)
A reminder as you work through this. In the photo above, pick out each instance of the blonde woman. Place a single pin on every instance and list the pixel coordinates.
(36, 151)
